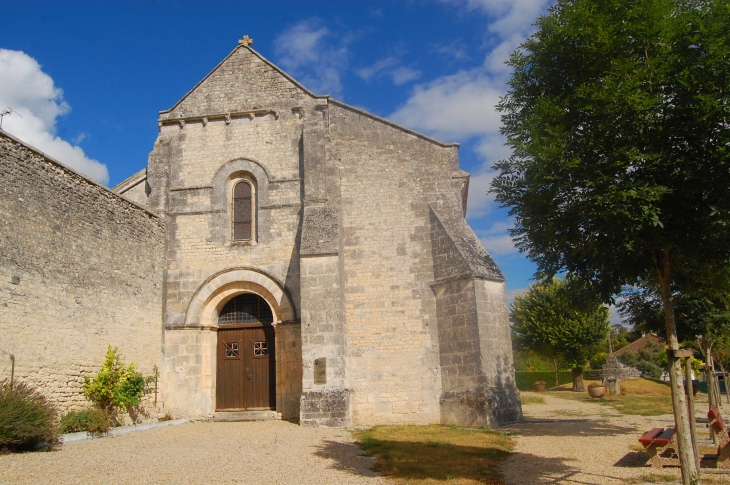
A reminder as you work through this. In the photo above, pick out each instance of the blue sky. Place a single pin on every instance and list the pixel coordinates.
(88, 78)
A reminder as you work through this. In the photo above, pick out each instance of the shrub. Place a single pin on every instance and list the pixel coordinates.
(598, 359)
(116, 386)
(525, 380)
(649, 369)
(651, 360)
(529, 361)
(27, 419)
(92, 420)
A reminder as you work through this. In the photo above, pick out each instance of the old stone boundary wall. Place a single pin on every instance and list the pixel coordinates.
(80, 269)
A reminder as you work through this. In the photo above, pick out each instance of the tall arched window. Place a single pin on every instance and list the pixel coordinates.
(243, 211)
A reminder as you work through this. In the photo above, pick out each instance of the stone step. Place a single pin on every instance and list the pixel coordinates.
(232, 416)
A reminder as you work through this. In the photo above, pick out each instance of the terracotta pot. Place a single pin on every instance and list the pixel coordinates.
(596, 391)
(538, 386)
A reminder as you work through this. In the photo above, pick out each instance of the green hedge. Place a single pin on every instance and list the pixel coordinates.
(526, 379)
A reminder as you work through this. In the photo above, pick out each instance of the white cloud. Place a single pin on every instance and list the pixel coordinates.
(367, 73)
(456, 51)
(304, 51)
(402, 75)
(461, 106)
(79, 138)
(389, 66)
(32, 94)
(507, 15)
(496, 240)
(479, 203)
(456, 106)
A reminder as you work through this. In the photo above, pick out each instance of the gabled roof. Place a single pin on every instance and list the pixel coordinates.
(130, 182)
(639, 344)
(182, 115)
(226, 59)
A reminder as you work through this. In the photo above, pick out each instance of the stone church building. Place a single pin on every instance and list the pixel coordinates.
(282, 251)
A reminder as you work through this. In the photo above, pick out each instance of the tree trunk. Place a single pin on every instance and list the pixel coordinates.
(718, 396)
(690, 469)
(710, 384)
(691, 408)
(557, 373)
(578, 385)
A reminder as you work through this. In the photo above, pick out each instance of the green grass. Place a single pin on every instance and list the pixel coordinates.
(640, 396)
(532, 399)
(653, 478)
(422, 455)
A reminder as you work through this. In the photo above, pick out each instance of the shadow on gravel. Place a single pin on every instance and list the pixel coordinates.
(347, 457)
(633, 459)
(544, 471)
(567, 427)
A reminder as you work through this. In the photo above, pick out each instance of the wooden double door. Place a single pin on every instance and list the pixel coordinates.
(246, 362)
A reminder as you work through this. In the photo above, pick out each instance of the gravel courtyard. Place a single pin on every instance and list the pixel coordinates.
(576, 442)
(562, 442)
(267, 452)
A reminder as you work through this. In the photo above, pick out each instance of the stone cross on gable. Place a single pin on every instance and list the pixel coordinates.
(245, 41)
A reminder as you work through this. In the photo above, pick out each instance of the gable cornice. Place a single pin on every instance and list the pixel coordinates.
(274, 66)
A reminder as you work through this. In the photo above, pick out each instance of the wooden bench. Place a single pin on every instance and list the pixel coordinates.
(661, 444)
(723, 440)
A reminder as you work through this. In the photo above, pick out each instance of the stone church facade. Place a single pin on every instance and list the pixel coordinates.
(301, 255)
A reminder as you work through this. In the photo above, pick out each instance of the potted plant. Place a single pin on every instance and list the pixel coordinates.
(539, 386)
(596, 390)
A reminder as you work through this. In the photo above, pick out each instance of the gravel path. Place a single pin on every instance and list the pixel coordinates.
(562, 442)
(573, 442)
(201, 453)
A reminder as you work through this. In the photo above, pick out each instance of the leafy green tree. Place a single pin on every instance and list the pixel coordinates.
(617, 115)
(560, 319)
(704, 315)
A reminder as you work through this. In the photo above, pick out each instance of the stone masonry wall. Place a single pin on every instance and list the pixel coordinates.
(387, 176)
(476, 355)
(198, 207)
(495, 345)
(243, 81)
(191, 173)
(323, 337)
(80, 269)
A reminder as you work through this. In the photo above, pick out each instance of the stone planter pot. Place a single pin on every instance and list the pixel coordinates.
(538, 386)
(596, 391)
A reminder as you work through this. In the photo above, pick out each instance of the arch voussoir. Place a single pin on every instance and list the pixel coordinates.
(220, 287)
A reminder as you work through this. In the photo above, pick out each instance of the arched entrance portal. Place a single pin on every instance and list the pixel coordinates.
(246, 360)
